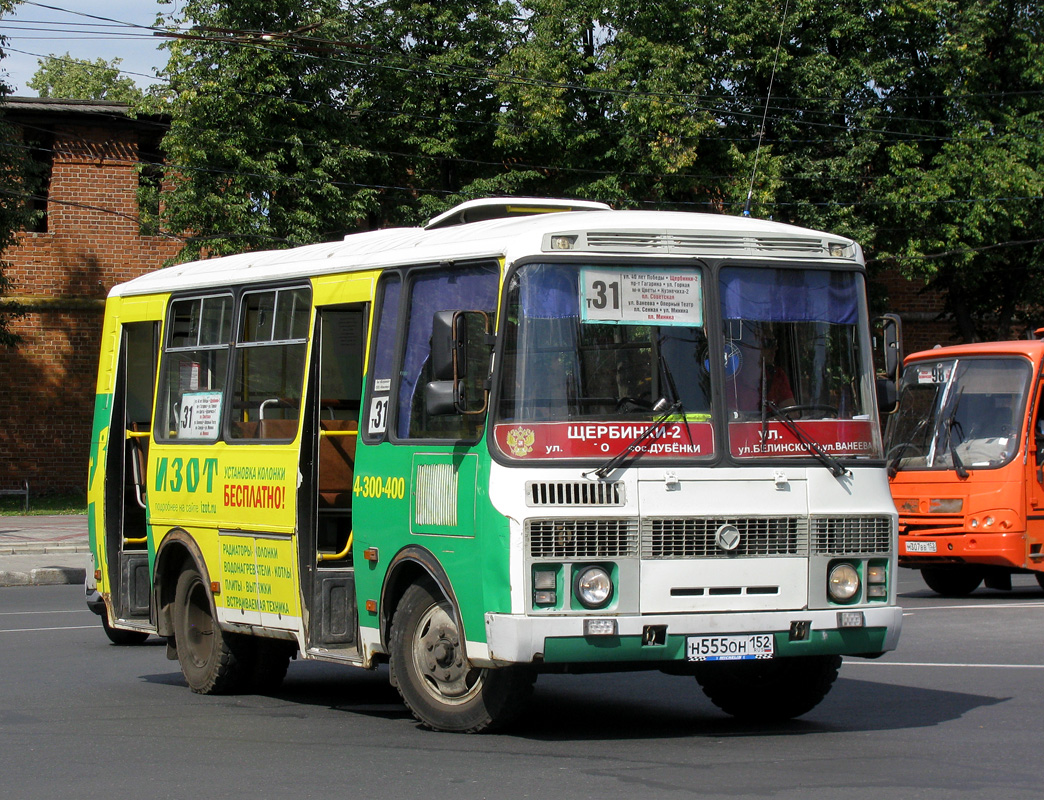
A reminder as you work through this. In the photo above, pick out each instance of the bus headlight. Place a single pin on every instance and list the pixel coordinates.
(843, 583)
(593, 587)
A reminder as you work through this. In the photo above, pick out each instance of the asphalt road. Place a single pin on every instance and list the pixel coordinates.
(955, 712)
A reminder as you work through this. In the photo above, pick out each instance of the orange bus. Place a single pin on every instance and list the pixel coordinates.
(965, 455)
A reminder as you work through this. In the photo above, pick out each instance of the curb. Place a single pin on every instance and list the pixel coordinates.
(40, 548)
(43, 576)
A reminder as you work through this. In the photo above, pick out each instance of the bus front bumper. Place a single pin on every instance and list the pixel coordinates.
(649, 638)
(931, 548)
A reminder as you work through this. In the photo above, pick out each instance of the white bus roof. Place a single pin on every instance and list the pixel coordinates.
(591, 231)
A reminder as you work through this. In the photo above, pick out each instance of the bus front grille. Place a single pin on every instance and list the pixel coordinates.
(582, 538)
(841, 535)
(574, 493)
(696, 537)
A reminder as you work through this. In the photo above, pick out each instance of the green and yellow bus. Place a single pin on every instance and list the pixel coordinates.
(532, 436)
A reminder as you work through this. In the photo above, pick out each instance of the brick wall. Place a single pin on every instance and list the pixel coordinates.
(924, 325)
(92, 243)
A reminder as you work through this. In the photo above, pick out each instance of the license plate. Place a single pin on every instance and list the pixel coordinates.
(730, 648)
(920, 547)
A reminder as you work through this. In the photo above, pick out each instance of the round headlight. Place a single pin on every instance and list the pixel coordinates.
(843, 583)
(594, 587)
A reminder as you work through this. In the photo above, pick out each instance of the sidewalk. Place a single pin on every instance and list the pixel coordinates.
(43, 550)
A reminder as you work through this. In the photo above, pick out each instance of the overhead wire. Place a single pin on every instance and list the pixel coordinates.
(494, 78)
(239, 37)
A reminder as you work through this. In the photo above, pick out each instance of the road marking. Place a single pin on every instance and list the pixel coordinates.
(34, 630)
(991, 606)
(941, 664)
(67, 611)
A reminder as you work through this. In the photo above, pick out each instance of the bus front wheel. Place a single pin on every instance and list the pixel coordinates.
(769, 690)
(951, 581)
(206, 654)
(433, 676)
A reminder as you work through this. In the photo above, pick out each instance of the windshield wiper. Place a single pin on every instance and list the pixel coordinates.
(665, 411)
(668, 376)
(893, 465)
(837, 469)
(957, 463)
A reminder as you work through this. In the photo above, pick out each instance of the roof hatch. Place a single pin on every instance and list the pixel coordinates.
(500, 207)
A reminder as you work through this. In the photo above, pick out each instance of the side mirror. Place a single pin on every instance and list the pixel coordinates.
(455, 334)
(442, 398)
(449, 345)
(891, 344)
(891, 354)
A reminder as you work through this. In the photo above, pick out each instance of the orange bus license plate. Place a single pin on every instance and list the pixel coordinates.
(920, 547)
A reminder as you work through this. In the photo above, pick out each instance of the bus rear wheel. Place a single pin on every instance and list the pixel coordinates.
(951, 581)
(769, 690)
(433, 676)
(208, 658)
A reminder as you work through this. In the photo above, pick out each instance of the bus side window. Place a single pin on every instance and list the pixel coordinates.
(431, 291)
(270, 360)
(199, 332)
(382, 368)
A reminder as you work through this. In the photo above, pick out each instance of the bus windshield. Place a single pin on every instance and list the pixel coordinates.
(793, 354)
(592, 355)
(958, 413)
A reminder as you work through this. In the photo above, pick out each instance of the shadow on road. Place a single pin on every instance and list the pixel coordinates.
(852, 706)
(636, 705)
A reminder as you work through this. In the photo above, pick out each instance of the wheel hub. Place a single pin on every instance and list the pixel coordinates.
(440, 659)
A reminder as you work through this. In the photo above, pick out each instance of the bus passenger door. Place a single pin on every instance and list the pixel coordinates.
(1035, 484)
(328, 463)
(126, 522)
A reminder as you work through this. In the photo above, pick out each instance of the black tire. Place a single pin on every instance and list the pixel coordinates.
(951, 581)
(209, 659)
(442, 690)
(768, 690)
(121, 637)
(1040, 579)
(264, 662)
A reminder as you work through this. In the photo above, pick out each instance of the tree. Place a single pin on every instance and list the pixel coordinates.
(263, 143)
(426, 104)
(961, 184)
(607, 102)
(81, 79)
(797, 82)
(912, 127)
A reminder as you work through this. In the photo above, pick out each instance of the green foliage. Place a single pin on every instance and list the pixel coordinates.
(913, 127)
(71, 78)
(962, 192)
(263, 140)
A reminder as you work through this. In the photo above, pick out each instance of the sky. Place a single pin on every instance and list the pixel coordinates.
(86, 29)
